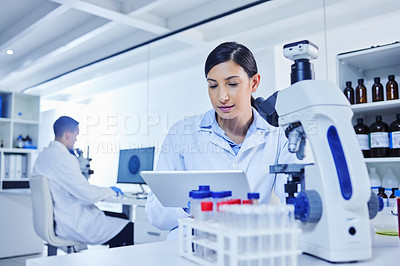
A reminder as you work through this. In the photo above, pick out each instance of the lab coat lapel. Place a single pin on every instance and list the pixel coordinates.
(253, 140)
(218, 141)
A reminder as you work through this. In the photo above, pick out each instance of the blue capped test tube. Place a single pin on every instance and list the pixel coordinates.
(195, 204)
(254, 197)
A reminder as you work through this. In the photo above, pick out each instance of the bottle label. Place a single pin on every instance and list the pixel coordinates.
(363, 139)
(395, 140)
(379, 140)
(391, 203)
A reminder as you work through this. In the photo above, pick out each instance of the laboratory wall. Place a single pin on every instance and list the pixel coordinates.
(140, 113)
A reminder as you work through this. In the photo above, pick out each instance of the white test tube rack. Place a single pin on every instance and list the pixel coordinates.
(214, 243)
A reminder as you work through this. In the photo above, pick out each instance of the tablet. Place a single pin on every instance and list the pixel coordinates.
(172, 187)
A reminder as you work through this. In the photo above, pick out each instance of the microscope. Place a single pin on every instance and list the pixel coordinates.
(84, 163)
(332, 196)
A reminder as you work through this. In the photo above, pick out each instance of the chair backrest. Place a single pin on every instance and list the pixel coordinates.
(42, 207)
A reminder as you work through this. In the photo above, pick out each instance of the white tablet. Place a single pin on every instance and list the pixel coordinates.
(172, 187)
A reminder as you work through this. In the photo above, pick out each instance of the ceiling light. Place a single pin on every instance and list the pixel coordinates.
(10, 52)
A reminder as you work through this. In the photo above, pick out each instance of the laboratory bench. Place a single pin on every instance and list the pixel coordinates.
(166, 253)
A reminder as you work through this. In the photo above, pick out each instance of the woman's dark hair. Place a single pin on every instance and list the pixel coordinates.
(236, 52)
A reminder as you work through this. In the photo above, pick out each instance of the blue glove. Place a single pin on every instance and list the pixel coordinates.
(117, 190)
(187, 210)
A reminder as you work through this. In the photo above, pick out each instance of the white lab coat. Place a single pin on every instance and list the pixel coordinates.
(192, 144)
(75, 215)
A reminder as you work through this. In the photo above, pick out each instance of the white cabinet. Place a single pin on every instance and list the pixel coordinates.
(19, 116)
(17, 235)
(134, 208)
(379, 61)
(144, 232)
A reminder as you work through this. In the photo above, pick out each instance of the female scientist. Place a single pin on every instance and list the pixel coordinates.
(231, 136)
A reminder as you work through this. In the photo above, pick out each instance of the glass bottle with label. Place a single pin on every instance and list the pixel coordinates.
(394, 140)
(377, 90)
(389, 180)
(375, 179)
(20, 142)
(362, 134)
(379, 138)
(349, 92)
(392, 89)
(361, 92)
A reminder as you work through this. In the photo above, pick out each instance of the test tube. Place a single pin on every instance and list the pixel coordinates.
(197, 198)
(254, 197)
(246, 202)
(190, 204)
(228, 194)
(266, 221)
(207, 216)
(206, 211)
(219, 196)
(204, 188)
(255, 218)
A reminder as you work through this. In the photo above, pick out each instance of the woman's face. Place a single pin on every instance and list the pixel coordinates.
(230, 88)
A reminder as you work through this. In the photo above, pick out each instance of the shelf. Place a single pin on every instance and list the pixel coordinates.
(383, 160)
(16, 179)
(21, 121)
(7, 120)
(17, 150)
(380, 55)
(377, 61)
(5, 102)
(26, 107)
(382, 108)
(19, 115)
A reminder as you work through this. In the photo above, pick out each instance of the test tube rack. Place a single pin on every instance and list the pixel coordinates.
(272, 243)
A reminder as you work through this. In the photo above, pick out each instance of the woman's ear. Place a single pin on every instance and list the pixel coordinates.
(255, 81)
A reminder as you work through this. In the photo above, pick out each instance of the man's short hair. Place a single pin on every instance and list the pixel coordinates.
(64, 124)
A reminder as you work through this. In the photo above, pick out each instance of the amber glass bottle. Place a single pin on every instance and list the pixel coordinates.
(379, 138)
(361, 92)
(377, 90)
(382, 193)
(392, 88)
(362, 134)
(392, 196)
(349, 92)
(395, 137)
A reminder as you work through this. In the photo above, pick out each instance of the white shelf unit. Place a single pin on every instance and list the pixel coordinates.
(378, 61)
(19, 116)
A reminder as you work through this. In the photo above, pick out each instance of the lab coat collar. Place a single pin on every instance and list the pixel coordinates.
(255, 134)
(59, 145)
(259, 124)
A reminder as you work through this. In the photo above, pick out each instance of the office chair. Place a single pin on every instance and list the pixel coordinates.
(43, 221)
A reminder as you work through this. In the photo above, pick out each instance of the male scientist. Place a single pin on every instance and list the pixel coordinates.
(75, 215)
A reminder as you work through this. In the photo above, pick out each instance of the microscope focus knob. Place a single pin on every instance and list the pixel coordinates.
(308, 206)
(373, 205)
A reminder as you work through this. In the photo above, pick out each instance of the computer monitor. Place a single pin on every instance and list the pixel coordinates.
(131, 162)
